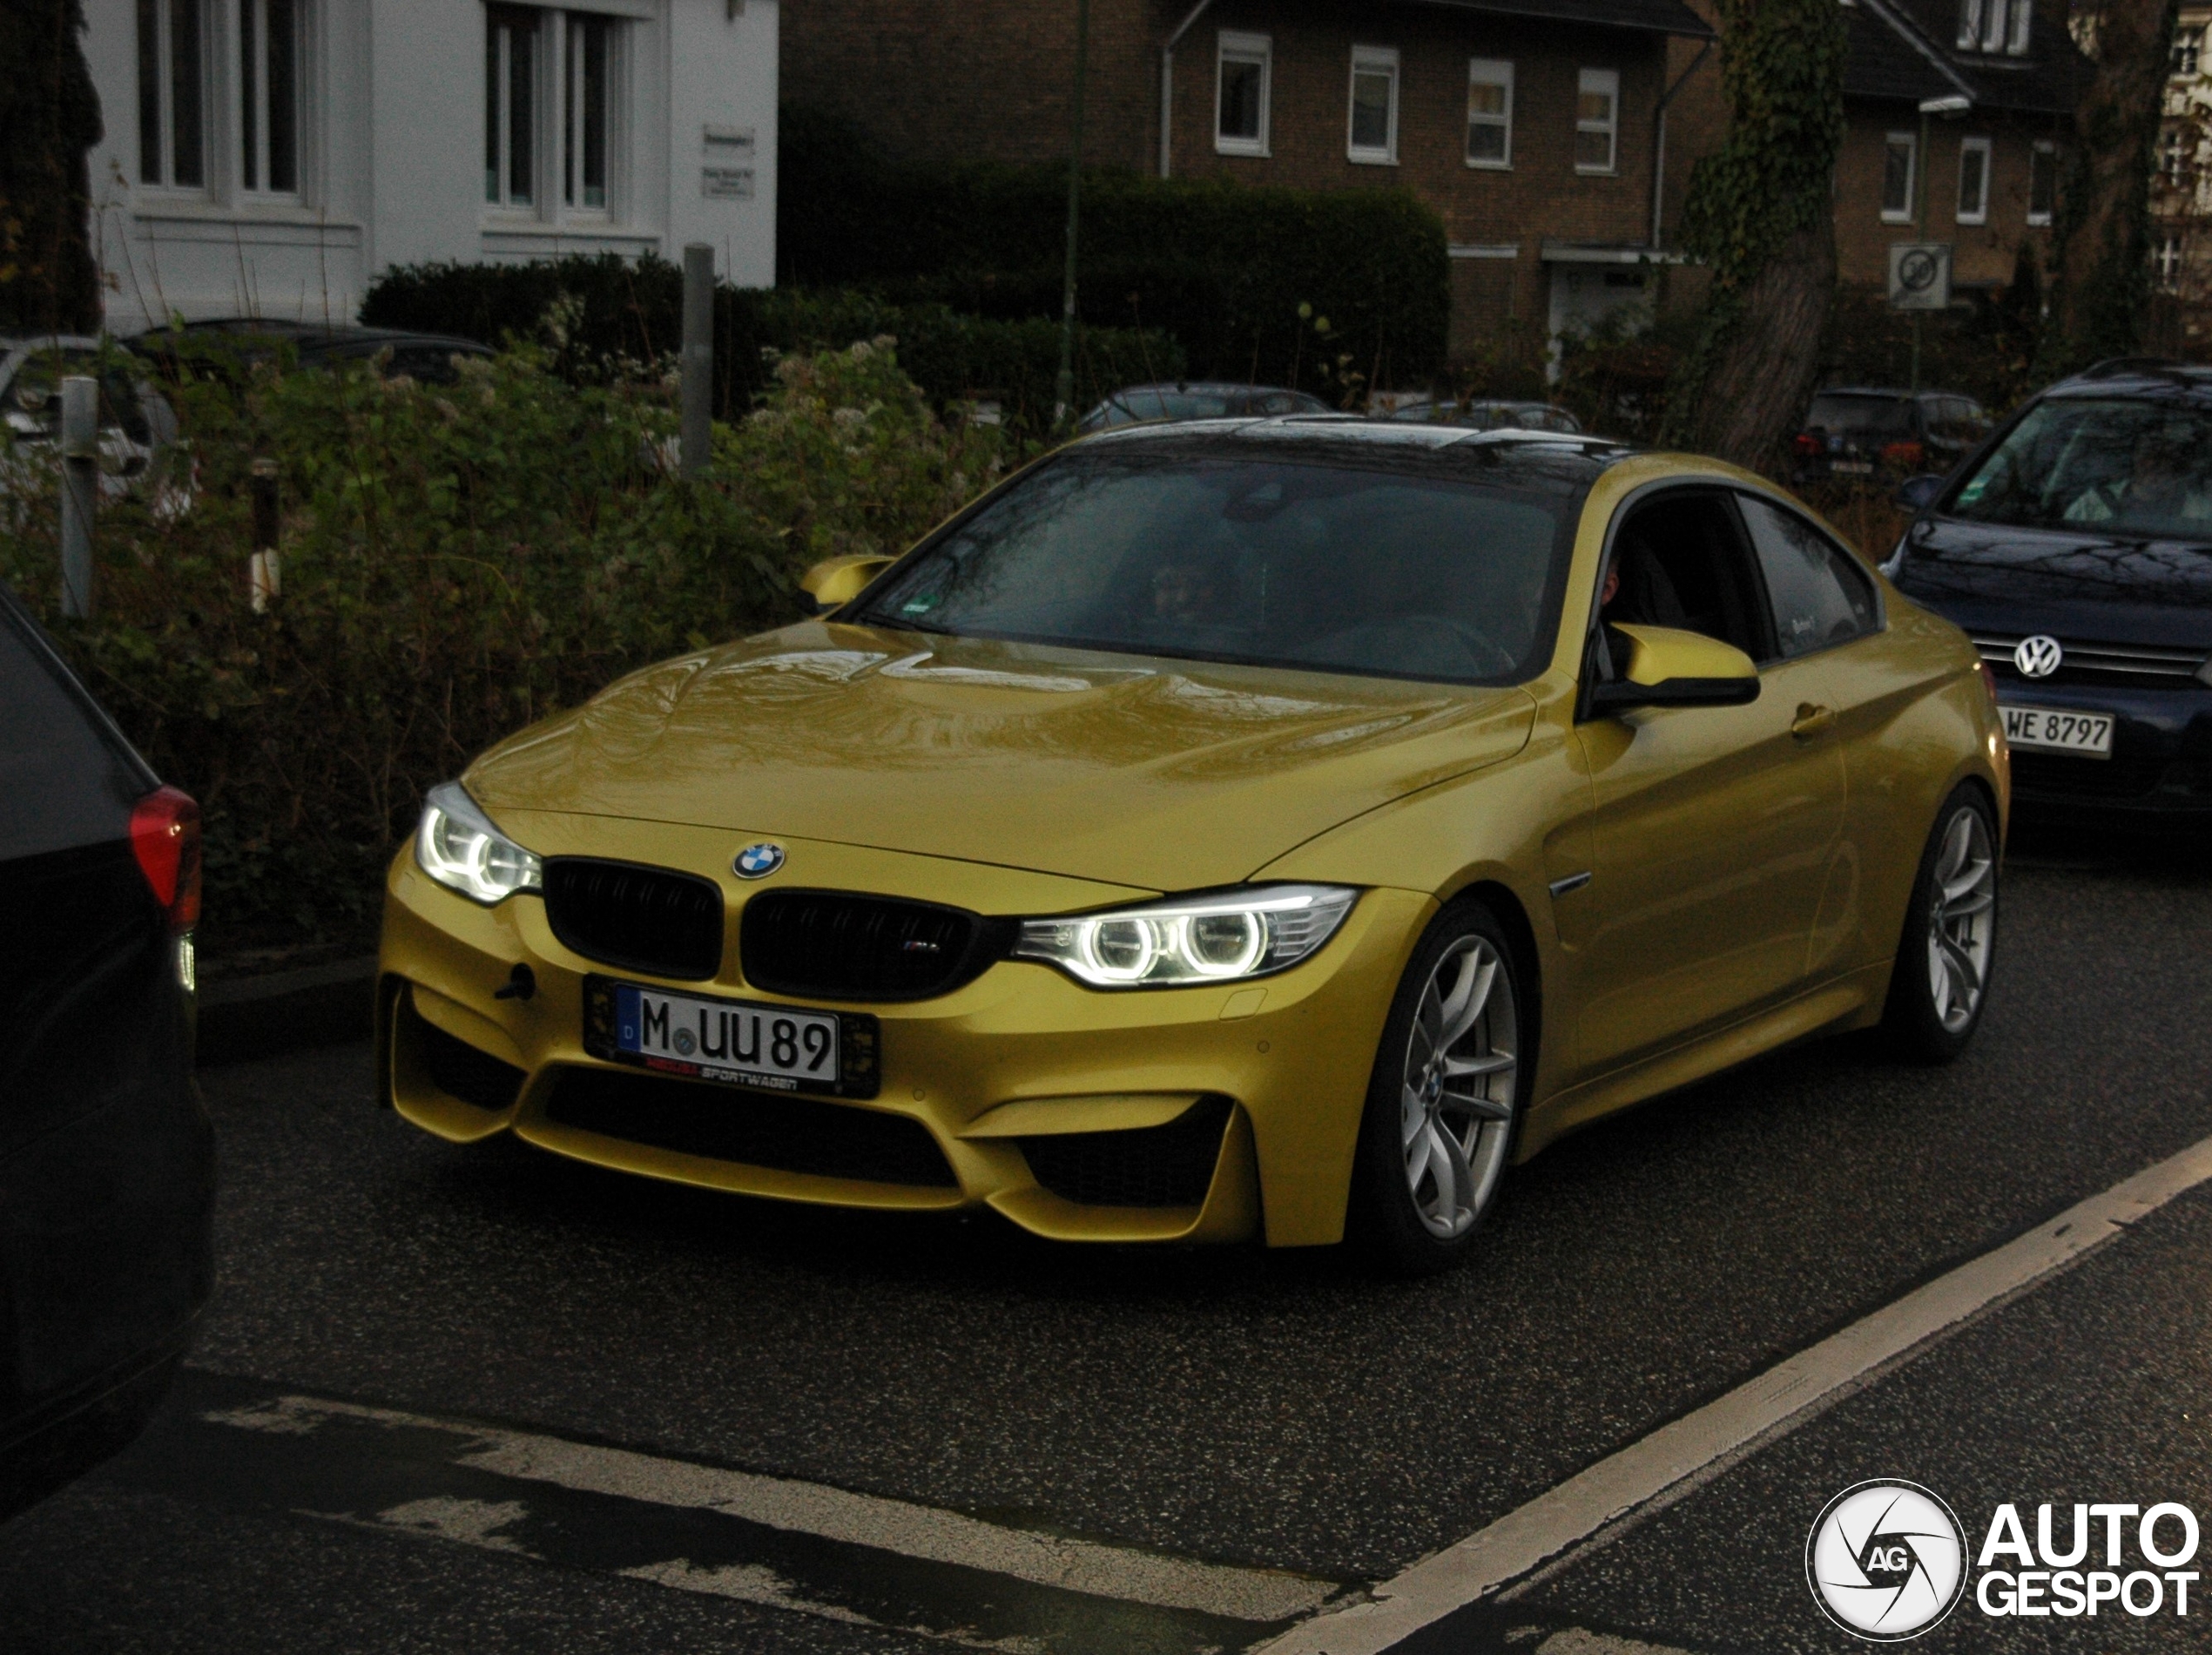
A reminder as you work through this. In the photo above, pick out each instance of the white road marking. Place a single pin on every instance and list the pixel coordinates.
(1785, 1395)
(918, 1531)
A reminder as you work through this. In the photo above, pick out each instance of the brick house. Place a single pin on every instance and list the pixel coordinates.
(1955, 111)
(2181, 194)
(1533, 127)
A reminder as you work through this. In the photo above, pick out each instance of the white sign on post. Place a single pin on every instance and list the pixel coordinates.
(1920, 275)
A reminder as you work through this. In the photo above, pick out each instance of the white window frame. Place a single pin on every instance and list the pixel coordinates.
(251, 20)
(1980, 213)
(1372, 60)
(1992, 26)
(1911, 143)
(570, 117)
(1234, 46)
(164, 99)
(1491, 72)
(1969, 24)
(2166, 263)
(555, 125)
(2046, 152)
(1608, 81)
(2022, 21)
(500, 198)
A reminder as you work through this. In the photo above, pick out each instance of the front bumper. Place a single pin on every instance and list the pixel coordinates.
(2160, 770)
(1027, 1085)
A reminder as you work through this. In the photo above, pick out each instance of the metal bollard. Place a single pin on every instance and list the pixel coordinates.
(699, 357)
(263, 581)
(80, 436)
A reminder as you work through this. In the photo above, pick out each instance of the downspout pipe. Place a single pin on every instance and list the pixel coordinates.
(1167, 81)
(1659, 145)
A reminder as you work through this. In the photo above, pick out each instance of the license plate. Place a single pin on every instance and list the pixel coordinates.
(2086, 735)
(737, 1042)
(1852, 468)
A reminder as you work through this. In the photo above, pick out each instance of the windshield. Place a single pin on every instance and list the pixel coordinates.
(1166, 405)
(2129, 467)
(1267, 561)
(1862, 416)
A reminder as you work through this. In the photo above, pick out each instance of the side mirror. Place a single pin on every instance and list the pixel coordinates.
(1668, 667)
(835, 582)
(1917, 494)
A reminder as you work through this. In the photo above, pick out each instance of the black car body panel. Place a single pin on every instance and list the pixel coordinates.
(2132, 615)
(107, 1154)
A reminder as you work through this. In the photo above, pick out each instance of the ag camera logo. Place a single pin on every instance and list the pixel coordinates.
(1886, 1560)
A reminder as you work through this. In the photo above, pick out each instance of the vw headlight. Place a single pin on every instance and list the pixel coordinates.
(457, 845)
(1218, 937)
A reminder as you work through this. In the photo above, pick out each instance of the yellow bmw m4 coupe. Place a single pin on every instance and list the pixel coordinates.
(1262, 828)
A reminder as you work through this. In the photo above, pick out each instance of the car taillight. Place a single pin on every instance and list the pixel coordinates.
(165, 836)
(1806, 443)
(1906, 456)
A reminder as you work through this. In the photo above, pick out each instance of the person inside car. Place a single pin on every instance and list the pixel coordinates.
(2164, 483)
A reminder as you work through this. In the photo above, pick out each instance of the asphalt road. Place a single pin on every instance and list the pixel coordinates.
(407, 1338)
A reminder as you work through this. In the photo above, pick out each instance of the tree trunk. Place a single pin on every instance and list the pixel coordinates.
(50, 117)
(2100, 290)
(1762, 376)
(1761, 213)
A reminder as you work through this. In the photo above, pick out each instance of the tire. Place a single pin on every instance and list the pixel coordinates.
(1940, 982)
(1416, 1217)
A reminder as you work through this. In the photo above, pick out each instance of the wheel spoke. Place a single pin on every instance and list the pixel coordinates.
(1468, 998)
(1449, 1168)
(1958, 845)
(1960, 885)
(1494, 1063)
(1480, 1107)
(1964, 969)
(1939, 978)
(1413, 1115)
(1967, 907)
(1419, 1150)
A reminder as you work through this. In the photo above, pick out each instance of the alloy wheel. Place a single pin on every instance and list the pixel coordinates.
(1961, 910)
(1456, 1093)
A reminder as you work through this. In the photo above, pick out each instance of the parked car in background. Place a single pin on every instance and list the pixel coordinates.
(1861, 433)
(106, 1155)
(1197, 400)
(1483, 414)
(426, 357)
(137, 425)
(2077, 552)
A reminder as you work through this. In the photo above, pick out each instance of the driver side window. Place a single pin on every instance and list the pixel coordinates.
(1682, 563)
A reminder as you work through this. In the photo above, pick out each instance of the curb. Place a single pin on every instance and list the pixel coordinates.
(260, 1017)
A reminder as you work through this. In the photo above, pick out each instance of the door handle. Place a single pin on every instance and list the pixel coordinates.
(1811, 720)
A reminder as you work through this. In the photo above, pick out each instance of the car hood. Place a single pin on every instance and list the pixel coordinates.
(2067, 583)
(1168, 776)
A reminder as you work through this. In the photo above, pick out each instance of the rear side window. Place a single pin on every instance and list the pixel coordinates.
(64, 780)
(1819, 595)
(1889, 418)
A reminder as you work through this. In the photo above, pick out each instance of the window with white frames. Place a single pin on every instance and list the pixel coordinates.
(268, 96)
(1371, 135)
(2173, 153)
(1900, 152)
(1995, 25)
(588, 111)
(511, 79)
(1974, 180)
(1490, 113)
(2186, 44)
(172, 92)
(1243, 66)
(1597, 120)
(2169, 262)
(2042, 181)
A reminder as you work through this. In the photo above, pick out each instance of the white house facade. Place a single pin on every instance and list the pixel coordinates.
(269, 157)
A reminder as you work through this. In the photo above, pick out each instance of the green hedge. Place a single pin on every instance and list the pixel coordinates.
(601, 315)
(1241, 275)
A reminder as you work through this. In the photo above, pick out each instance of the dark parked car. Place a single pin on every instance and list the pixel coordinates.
(426, 357)
(1196, 401)
(1856, 432)
(106, 1155)
(1482, 414)
(2076, 549)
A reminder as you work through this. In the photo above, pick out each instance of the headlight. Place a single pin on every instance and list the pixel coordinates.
(1215, 937)
(457, 845)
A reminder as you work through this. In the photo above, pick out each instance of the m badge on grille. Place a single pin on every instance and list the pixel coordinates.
(2038, 657)
(757, 862)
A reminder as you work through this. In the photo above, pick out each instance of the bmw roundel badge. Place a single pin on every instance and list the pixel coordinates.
(757, 862)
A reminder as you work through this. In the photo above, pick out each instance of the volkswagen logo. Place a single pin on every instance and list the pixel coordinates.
(757, 862)
(2038, 657)
(1886, 1561)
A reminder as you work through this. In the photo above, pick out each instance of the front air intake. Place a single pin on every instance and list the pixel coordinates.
(1169, 1165)
(652, 920)
(840, 945)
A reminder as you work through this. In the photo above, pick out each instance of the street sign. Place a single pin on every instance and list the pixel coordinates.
(1920, 275)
